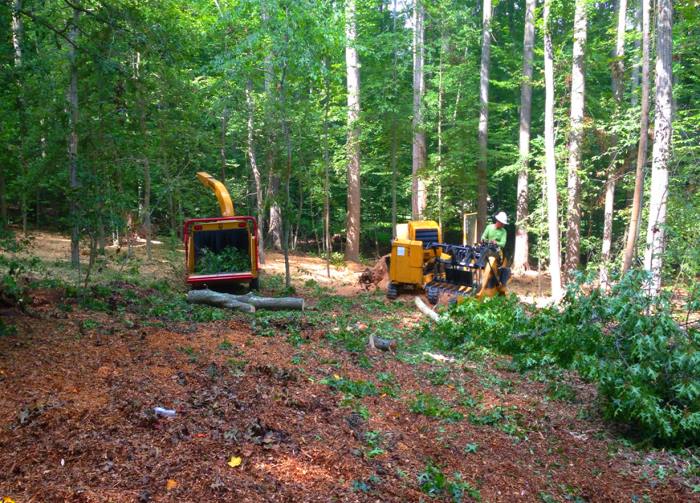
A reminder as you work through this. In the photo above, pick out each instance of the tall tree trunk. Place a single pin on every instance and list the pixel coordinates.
(550, 161)
(573, 233)
(275, 221)
(352, 250)
(73, 139)
(633, 231)
(257, 178)
(520, 257)
(146, 160)
(418, 195)
(394, 134)
(481, 170)
(17, 44)
(661, 157)
(618, 70)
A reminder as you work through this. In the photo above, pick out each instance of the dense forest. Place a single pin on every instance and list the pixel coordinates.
(331, 121)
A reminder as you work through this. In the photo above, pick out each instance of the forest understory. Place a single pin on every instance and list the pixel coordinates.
(282, 406)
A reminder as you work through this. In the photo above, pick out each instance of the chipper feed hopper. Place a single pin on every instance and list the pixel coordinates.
(220, 251)
(420, 261)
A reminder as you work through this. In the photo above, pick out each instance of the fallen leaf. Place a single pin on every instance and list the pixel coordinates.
(171, 484)
(235, 461)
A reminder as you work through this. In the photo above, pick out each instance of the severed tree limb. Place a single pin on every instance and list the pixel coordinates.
(247, 303)
(423, 308)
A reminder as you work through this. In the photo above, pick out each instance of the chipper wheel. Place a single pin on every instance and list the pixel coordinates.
(392, 291)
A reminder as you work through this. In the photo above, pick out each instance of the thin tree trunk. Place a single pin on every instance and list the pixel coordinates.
(573, 233)
(257, 178)
(352, 250)
(520, 258)
(618, 70)
(17, 43)
(3, 200)
(661, 156)
(326, 188)
(418, 197)
(222, 149)
(73, 139)
(635, 217)
(482, 167)
(441, 92)
(550, 161)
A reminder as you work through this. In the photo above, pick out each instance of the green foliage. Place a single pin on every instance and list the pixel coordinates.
(355, 389)
(434, 483)
(646, 366)
(229, 259)
(432, 406)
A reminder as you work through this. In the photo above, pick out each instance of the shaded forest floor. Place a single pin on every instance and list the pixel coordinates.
(311, 411)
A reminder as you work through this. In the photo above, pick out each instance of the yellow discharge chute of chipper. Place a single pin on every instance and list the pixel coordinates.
(220, 191)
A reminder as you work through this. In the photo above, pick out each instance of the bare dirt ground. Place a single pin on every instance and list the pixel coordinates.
(289, 407)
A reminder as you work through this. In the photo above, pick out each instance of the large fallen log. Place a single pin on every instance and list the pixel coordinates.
(247, 303)
(423, 308)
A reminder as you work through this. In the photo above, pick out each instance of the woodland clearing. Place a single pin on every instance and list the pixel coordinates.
(312, 412)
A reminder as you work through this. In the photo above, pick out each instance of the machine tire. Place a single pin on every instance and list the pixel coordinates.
(433, 295)
(392, 291)
(254, 284)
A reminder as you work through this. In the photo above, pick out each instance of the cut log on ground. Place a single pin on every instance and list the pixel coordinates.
(247, 303)
(423, 308)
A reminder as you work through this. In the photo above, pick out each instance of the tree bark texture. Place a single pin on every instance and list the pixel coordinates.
(573, 233)
(418, 194)
(520, 257)
(352, 250)
(550, 160)
(635, 217)
(257, 178)
(481, 170)
(73, 138)
(661, 156)
(618, 70)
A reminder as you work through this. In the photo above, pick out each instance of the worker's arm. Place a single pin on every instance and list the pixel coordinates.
(485, 234)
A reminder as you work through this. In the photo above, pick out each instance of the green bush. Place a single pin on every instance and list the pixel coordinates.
(646, 366)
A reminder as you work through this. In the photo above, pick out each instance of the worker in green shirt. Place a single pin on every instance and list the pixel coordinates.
(496, 232)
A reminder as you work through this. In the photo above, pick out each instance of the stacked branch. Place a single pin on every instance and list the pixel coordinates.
(247, 303)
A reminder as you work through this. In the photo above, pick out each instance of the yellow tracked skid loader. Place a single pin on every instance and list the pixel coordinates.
(421, 261)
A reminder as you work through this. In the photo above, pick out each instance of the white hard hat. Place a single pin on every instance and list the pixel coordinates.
(502, 217)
